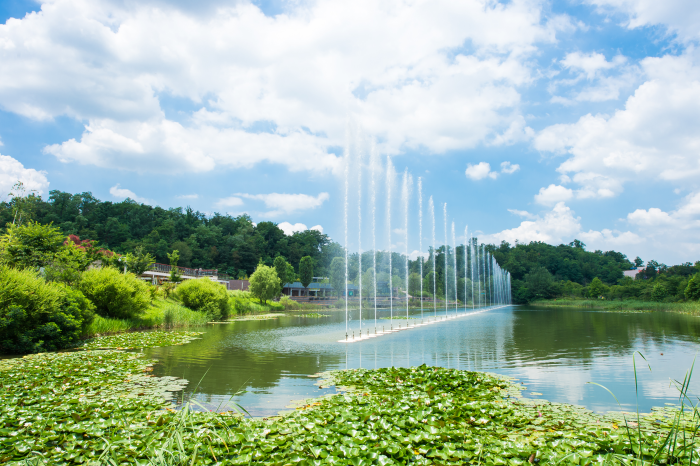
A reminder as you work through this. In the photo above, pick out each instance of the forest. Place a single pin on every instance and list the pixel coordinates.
(236, 245)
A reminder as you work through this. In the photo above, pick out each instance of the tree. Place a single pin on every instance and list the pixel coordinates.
(139, 261)
(306, 271)
(597, 288)
(692, 291)
(291, 274)
(414, 284)
(31, 245)
(659, 292)
(539, 283)
(175, 274)
(338, 275)
(368, 283)
(638, 262)
(428, 283)
(281, 268)
(264, 283)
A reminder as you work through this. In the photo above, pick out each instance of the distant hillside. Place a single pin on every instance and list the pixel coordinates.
(234, 245)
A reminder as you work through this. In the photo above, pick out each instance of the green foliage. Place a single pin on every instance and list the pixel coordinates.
(264, 283)
(337, 275)
(539, 283)
(205, 295)
(139, 261)
(414, 284)
(430, 283)
(37, 316)
(306, 270)
(281, 267)
(115, 295)
(659, 292)
(175, 274)
(30, 245)
(692, 291)
(233, 245)
(597, 288)
(368, 283)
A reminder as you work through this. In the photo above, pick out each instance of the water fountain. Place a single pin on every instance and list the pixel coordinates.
(481, 269)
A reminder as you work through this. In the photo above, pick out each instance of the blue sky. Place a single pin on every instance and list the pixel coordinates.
(245, 107)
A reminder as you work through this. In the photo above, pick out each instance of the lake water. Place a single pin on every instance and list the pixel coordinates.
(552, 352)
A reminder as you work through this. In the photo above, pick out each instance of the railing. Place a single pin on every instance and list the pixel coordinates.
(166, 268)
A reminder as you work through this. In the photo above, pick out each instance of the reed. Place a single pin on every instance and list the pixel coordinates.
(692, 308)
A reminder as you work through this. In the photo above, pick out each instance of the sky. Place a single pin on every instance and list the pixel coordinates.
(533, 120)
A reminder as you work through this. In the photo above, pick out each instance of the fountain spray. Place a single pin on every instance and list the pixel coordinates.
(405, 194)
(454, 259)
(389, 172)
(359, 225)
(420, 241)
(444, 214)
(347, 172)
(373, 162)
(466, 230)
(431, 205)
(471, 256)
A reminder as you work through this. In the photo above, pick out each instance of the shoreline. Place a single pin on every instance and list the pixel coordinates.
(691, 308)
(83, 404)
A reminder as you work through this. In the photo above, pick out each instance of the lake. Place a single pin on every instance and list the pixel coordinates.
(552, 352)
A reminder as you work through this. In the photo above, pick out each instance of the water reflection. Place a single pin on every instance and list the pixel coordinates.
(554, 352)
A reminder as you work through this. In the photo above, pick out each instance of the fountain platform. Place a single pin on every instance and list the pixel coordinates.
(368, 334)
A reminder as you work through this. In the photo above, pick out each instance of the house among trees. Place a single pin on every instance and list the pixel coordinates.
(319, 288)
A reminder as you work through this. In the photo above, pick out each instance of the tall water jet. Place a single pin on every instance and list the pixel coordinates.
(420, 241)
(359, 225)
(466, 270)
(431, 205)
(483, 265)
(389, 179)
(454, 259)
(444, 214)
(471, 262)
(373, 163)
(405, 192)
(478, 267)
(347, 185)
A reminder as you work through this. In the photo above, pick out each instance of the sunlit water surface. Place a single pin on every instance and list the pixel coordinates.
(555, 352)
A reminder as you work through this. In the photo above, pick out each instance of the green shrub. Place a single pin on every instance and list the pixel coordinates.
(36, 316)
(204, 295)
(114, 294)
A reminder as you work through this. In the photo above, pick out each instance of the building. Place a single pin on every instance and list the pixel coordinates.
(319, 288)
(633, 273)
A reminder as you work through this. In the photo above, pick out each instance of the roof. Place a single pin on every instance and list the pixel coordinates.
(315, 286)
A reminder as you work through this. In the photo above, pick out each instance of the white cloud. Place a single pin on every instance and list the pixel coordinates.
(318, 228)
(188, 196)
(12, 171)
(123, 193)
(553, 194)
(290, 229)
(589, 63)
(680, 17)
(561, 226)
(509, 168)
(522, 213)
(604, 80)
(231, 201)
(480, 171)
(415, 254)
(654, 137)
(406, 78)
(282, 204)
(554, 227)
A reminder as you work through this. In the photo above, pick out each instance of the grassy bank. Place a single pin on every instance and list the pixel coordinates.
(170, 313)
(102, 407)
(628, 305)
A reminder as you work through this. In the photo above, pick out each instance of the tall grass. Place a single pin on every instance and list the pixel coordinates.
(628, 305)
(162, 314)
